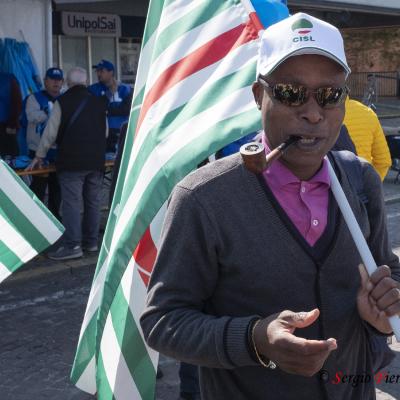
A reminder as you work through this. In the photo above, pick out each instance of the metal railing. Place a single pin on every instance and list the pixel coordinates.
(370, 85)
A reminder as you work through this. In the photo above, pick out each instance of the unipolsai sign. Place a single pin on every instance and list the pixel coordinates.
(85, 24)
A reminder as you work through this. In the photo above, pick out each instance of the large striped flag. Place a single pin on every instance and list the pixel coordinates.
(192, 96)
(26, 226)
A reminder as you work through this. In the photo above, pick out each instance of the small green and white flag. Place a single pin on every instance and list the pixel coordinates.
(192, 97)
(27, 227)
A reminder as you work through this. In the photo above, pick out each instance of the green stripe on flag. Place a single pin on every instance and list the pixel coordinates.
(86, 350)
(153, 19)
(103, 387)
(22, 224)
(9, 258)
(132, 346)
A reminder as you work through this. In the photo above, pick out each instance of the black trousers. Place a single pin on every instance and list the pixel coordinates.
(112, 140)
(39, 185)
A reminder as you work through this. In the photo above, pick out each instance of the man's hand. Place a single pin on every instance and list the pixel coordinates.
(378, 298)
(114, 86)
(37, 162)
(274, 339)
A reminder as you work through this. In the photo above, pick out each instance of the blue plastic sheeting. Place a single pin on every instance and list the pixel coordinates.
(270, 11)
(15, 58)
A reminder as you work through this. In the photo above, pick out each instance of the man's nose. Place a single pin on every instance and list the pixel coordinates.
(312, 111)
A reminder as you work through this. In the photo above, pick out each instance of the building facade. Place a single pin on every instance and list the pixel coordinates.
(371, 32)
(86, 32)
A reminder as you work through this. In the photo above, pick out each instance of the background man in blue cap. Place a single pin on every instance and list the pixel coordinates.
(119, 96)
(35, 116)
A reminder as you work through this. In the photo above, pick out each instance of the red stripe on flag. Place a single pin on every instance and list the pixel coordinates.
(304, 32)
(206, 55)
(145, 254)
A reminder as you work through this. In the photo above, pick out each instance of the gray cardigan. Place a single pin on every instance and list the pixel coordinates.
(227, 257)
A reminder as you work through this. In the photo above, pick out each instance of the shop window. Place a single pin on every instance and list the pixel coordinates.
(74, 52)
(129, 50)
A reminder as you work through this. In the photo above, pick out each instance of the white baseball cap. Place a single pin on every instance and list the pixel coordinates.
(299, 34)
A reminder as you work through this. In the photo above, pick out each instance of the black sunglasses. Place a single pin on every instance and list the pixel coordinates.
(294, 95)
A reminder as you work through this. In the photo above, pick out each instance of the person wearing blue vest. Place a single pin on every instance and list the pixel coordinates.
(10, 109)
(119, 97)
(36, 114)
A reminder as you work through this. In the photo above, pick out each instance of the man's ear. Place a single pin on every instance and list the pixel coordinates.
(258, 91)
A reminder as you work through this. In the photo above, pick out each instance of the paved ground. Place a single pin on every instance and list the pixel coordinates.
(40, 318)
(41, 309)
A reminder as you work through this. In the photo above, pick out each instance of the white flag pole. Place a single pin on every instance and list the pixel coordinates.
(358, 237)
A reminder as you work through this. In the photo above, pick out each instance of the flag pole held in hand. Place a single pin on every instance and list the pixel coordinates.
(358, 237)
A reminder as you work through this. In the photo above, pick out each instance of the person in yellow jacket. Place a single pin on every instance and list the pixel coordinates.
(367, 135)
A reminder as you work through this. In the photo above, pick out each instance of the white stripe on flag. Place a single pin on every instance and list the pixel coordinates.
(144, 65)
(24, 203)
(177, 10)
(4, 272)
(187, 89)
(95, 295)
(239, 101)
(156, 225)
(118, 375)
(15, 241)
(135, 293)
(87, 381)
(192, 40)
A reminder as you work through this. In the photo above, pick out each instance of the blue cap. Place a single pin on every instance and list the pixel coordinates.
(54, 73)
(104, 64)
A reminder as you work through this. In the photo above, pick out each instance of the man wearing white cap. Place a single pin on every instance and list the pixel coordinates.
(257, 280)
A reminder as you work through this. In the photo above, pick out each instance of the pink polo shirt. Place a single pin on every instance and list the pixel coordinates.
(305, 202)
